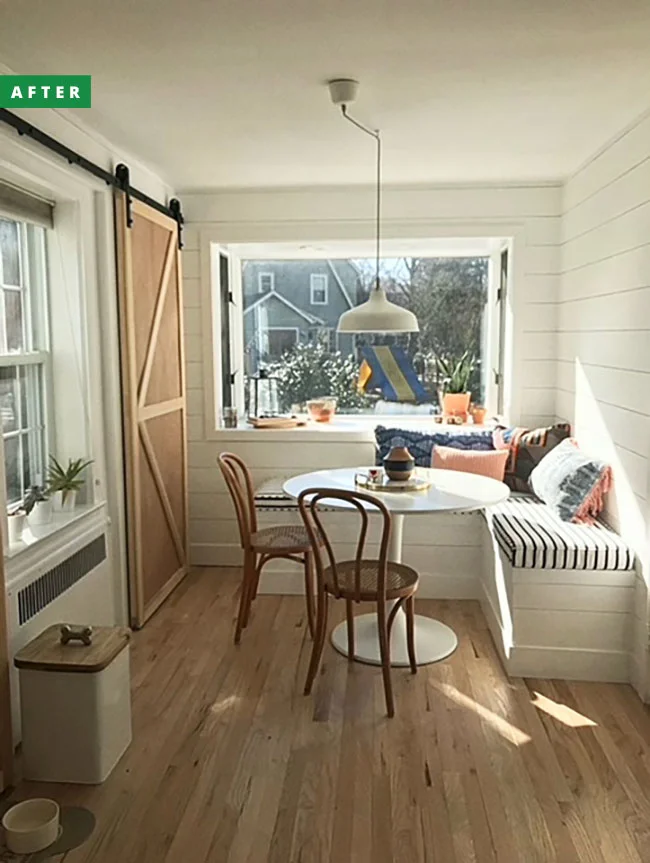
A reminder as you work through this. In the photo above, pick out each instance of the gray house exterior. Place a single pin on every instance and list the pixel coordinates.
(291, 302)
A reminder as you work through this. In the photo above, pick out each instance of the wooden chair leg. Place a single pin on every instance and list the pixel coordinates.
(410, 633)
(384, 650)
(319, 641)
(309, 593)
(256, 577)
(349, 614)
(245, 599)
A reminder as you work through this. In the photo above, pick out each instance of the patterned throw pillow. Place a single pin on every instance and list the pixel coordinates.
(491, 463)
(527, 448)
(421, 444)
(572, 484)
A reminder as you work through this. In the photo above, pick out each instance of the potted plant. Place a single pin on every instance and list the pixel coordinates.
(16, 524)
(455, 375)
(65, 482)
(37, 506)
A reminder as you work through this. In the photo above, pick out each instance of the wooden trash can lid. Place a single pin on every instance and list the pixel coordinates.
(46, 653)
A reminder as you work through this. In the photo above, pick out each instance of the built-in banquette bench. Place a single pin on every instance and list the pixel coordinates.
(558, 597)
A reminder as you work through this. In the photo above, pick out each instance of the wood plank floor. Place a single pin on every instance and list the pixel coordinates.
(230, 763)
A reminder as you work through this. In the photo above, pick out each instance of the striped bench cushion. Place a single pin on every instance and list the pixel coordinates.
(270, 497)
(531, 536)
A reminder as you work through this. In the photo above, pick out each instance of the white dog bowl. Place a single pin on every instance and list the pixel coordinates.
(32, 825)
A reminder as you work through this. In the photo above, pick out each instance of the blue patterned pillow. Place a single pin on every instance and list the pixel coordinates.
(421, 444)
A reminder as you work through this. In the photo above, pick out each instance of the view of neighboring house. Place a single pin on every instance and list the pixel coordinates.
(292, 302)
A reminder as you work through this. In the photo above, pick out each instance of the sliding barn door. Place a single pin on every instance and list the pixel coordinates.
(153, 387)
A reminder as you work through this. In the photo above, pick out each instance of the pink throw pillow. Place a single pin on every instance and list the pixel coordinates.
(491, 463)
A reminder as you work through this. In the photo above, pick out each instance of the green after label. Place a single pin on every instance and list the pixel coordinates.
(45, 91)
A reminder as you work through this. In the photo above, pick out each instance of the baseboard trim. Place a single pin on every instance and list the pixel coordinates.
(289, 581)
(566, 663)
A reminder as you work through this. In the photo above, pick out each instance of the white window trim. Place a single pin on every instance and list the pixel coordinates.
(89, 228)
(323, 286)
(234, 236)
(260, 289)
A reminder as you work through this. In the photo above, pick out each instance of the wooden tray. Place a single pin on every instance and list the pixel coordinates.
(415, 483)
(276, 422)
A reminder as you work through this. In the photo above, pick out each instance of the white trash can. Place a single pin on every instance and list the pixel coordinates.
(75, 705)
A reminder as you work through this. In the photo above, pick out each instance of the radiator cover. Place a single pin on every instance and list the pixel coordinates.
(45, 589)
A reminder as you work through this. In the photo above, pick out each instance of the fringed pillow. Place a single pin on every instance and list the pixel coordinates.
(572, 484)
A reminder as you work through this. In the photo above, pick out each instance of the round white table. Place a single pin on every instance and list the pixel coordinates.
(450, 491)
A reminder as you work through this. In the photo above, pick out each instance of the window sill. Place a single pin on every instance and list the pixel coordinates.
(46, 539)
(343, 428)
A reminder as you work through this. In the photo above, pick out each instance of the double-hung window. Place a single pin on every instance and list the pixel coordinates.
(24, 357)
(265, 283)
(318, 289)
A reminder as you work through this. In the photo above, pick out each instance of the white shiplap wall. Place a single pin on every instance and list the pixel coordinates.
(603, 338)
(530, 214)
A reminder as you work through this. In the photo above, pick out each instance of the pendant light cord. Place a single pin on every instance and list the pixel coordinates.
(374, 133)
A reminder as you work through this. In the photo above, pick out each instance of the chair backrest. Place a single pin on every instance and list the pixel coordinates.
(309, 502)
(240, 485)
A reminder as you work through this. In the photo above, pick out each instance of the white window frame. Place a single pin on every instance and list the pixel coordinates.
(324, 286)
(265, 275)
(245, 245)
(82, 272)
(33, 358)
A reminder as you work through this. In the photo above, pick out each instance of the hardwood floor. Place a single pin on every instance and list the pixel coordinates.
(230, 763)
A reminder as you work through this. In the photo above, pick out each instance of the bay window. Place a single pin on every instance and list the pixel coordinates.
(457, 292)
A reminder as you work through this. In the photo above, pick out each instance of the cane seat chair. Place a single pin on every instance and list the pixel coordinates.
(260, 545)
(363, 579)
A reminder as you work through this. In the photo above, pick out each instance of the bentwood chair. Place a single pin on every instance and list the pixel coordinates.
(359, 580)
(260, 546)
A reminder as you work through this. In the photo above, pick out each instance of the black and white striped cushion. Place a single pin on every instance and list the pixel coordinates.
(270, 497)
(531, 536)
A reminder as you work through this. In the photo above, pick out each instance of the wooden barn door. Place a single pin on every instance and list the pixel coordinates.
(153, 400)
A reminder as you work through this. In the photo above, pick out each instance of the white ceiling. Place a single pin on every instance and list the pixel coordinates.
(218, 93)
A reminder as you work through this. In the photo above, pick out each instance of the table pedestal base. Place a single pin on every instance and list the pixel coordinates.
(433, 640)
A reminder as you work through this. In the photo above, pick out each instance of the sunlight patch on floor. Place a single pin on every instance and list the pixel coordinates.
(565, 715)
(498, 723)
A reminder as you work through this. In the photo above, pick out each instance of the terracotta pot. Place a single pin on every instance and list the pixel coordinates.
(399, 464)
(478, 415)
(456, 404)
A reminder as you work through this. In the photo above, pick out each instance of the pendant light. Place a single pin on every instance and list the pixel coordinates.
(377, 314)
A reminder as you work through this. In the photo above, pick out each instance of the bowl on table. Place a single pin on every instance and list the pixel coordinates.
(321, 410)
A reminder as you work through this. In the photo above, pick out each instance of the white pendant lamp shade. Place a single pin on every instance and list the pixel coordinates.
(378, 315)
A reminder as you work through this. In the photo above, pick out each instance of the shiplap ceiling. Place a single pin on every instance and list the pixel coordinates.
(223, 93)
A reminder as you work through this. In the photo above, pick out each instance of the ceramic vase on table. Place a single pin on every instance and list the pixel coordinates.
(399, 464)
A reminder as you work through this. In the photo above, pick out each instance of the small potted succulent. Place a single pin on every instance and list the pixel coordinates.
(65, 482)
(16, 517)
(38, 506)
(455, 375)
